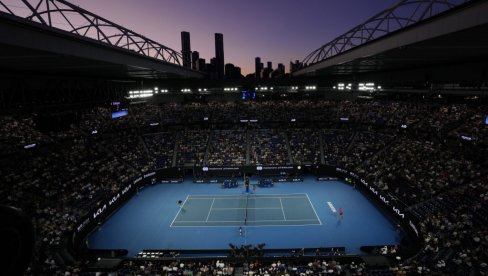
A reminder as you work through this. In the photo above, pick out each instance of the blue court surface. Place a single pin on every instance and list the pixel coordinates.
(250, 210)
(288, 215)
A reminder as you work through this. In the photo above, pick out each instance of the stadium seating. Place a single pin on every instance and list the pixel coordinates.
(439, 175)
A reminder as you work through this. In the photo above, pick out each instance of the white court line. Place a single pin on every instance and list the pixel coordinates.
(206, 221)
(206, 198)
(283, 220)
(217, 197)
(259, 197)
(317, 216)
(302, 194)
(272, 208)
(281, 194)
(250, 197)
(239, 195)
(253, 197)
(181, 207)
(283, 210)
(255, 226)
(210, 210)
(225, 221)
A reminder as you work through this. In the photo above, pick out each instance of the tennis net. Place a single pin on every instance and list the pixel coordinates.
(245, 214)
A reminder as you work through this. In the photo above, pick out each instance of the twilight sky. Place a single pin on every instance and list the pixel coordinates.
(275, 30)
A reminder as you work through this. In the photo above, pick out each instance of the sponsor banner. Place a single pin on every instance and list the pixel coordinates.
(249, 168)
(375, 192)
(165, 181)
(112, 203)
(209, 169)
(288, 179)
(149, 174)
(272, 171)
(327, 178)
(107, 206)
(396, 208)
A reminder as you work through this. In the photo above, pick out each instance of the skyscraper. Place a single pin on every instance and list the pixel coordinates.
(279, 72)
(186, 49)
(257, 66)
(281, 67)
(219, 55)
(201, 65)
(194, 60)
(232, 72)
(268, 70)
(212, 69)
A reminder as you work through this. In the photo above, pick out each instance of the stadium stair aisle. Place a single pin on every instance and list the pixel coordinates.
(117, 157)
(207, 150)
(387, 146)
(288, 149)
(353, 140)
(321, 147)
(144, 145)
(248, 148)
(175, 150)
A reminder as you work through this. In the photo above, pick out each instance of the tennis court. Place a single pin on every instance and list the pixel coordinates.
(249, 210)
(153, 220)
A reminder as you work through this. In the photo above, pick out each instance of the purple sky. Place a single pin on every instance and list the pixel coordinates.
(275, 30)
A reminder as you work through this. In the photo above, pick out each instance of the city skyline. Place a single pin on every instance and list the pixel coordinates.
(277, 31)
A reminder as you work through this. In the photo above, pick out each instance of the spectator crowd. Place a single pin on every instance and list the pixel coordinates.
(430, 156)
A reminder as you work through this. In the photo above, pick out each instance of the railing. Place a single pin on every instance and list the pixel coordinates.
(65, 16)
(399, 16)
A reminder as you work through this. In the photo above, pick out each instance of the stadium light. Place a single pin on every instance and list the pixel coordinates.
(366, 86)
(140, 94)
